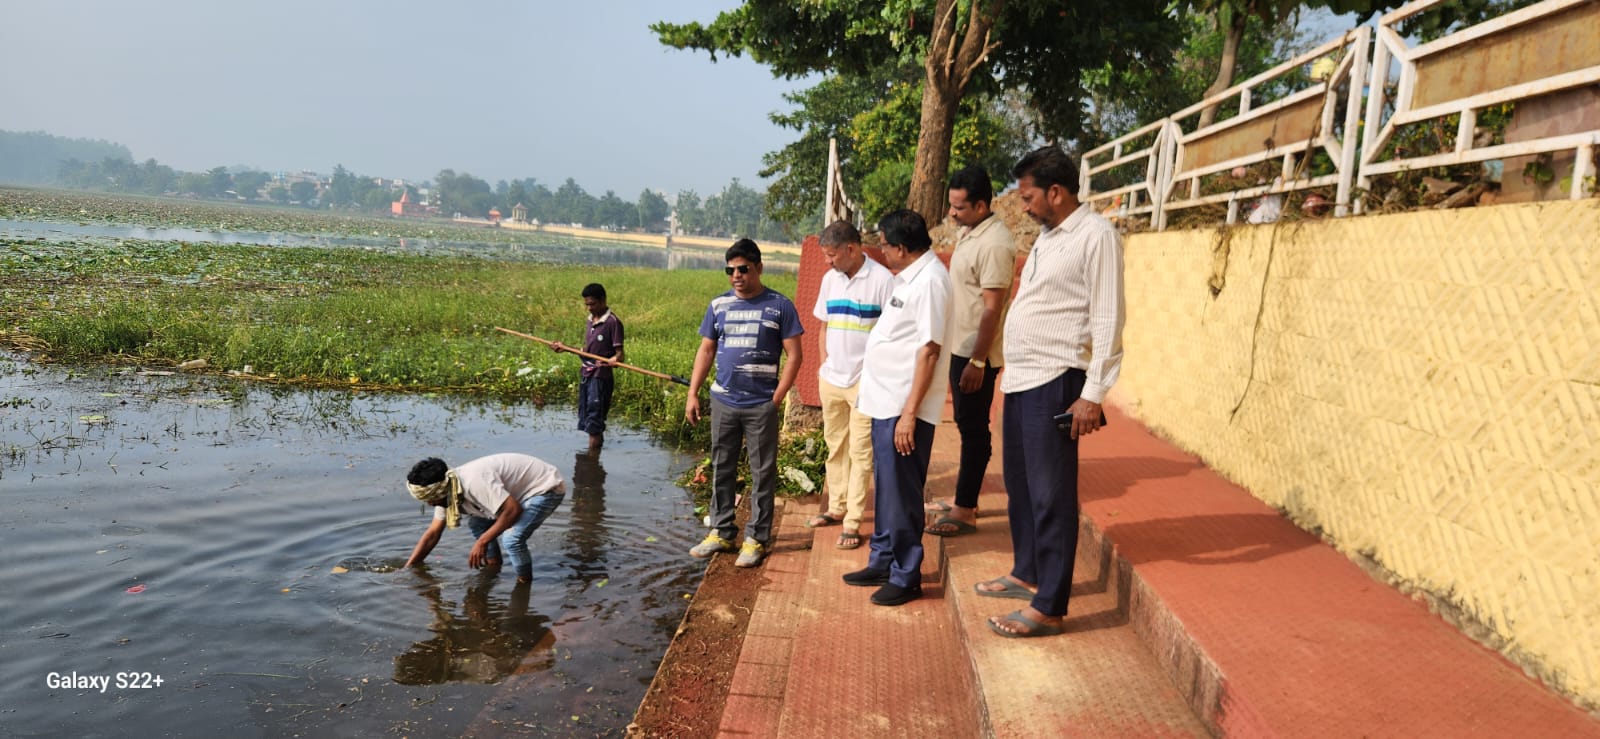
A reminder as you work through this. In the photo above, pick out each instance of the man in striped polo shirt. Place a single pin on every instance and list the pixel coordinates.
(1063, 346)
(849, 302)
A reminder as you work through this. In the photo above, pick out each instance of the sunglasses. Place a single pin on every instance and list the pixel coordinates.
(743, 269)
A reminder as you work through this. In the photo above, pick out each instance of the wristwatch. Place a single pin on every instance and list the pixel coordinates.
(979, 363)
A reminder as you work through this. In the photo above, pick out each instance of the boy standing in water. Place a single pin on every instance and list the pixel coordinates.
(603, 338)
(504, 496)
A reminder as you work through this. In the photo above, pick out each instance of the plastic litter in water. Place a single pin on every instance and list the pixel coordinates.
(136, 589)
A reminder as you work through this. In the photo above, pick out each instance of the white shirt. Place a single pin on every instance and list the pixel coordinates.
(486, 482)
(1069, 311)
(850, 306)
(914, 317)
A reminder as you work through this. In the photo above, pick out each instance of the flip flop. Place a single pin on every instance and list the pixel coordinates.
(823, 519)
(937, 506)
(962, 527)
(848, 540)
(1034, 627)
(1010, 590)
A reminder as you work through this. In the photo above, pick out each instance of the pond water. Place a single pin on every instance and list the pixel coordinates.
(239, 542)
(535, 249)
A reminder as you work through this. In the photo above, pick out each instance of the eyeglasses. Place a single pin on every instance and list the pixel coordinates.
(744, 269)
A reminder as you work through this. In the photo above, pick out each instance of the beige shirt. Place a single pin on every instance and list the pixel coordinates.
(1069, 310)
(985, 258)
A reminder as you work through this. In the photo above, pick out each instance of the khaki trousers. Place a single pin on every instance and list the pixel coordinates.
(849, 436)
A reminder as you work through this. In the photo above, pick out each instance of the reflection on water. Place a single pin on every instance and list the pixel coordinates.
(587, 507)
(536, 248)
(241, 540)
(481, 642)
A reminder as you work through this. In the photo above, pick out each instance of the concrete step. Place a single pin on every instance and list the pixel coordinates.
(1097, 680)
(820, 660)
(1269, 631)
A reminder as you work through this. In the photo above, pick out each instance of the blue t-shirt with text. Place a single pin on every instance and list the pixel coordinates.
(749, 336)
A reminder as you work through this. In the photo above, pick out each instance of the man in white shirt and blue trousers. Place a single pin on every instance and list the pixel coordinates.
(899, 393)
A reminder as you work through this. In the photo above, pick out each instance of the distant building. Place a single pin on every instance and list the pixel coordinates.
(519, 213)
(404, 206)
(494, 215)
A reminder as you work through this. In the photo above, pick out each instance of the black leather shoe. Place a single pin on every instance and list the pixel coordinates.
(894, 595)
(867, 577)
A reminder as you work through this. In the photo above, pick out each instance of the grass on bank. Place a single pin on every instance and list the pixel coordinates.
(358, 318)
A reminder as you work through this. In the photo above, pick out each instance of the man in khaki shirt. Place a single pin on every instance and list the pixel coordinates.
(981, 270)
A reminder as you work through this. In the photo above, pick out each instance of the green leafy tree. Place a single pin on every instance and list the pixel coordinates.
(218, 182)
(822, 112)
(156, 178)
(463, 193)
(541, 203)
(379, 198)
(279, 194)
(194, 183)
(249, 184)
(303, 192)
(573, 204)
(1033, 46)
(652, 209)
(691, 217)
(1231, 19)
(341, 187)
(516, 194)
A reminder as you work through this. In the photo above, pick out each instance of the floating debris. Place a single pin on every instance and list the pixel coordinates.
(136, 589)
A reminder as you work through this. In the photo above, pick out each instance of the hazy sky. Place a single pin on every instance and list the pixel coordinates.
(499, 88)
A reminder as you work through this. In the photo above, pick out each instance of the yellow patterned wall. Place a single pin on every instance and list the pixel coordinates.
(1424, 388)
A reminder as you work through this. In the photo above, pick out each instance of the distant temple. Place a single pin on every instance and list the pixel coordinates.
(404, 206)
(494, 215)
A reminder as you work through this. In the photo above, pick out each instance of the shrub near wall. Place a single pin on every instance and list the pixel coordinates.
(1423, 389)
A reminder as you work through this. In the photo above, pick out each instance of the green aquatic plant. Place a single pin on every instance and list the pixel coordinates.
(366, 319)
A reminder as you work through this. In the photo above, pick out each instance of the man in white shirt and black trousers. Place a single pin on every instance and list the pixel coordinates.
(1063, 346)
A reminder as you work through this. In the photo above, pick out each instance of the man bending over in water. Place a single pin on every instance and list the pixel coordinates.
(505, 498)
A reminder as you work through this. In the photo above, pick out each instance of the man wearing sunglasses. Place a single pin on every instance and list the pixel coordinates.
(745, 331)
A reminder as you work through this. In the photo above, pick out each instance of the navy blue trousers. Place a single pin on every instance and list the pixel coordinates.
(1041, 471)
(594, 402)
(898, 518)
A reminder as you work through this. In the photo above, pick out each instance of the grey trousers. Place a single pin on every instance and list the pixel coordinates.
(757, 429)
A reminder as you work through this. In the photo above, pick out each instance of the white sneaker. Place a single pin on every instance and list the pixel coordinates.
(711, 545)
(750, 554)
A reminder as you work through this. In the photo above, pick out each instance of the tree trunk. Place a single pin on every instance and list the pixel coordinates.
(952, 59)
(930, 172)
(1230, 58)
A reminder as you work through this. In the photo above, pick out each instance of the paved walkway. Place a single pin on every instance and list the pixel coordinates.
(1196, 610)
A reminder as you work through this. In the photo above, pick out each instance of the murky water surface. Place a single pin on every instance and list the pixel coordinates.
(536, 248)
(240, 543)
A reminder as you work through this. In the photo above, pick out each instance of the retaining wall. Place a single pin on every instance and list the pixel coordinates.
(1424, 389)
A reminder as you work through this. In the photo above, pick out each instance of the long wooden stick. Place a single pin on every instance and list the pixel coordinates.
(662, 375)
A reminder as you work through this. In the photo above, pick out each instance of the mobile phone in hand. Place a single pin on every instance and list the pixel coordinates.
(1064, 421)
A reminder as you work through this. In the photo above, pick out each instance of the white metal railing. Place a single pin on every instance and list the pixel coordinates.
(1391, 44)
(836, 204)
(1337, 141)
(1293, 129)
(1125, 200)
